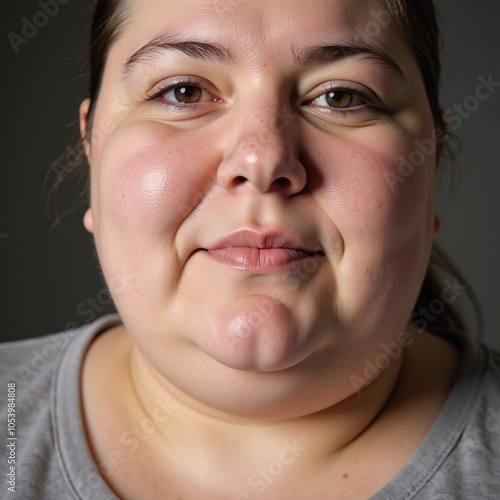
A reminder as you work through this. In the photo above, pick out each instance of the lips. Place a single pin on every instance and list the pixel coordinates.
(247, 249)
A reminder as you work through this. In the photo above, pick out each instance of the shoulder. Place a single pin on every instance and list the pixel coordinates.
(459, 457)
(42, 377)
(26, 360)
(483, 427)
(477, 394)
(470, 467)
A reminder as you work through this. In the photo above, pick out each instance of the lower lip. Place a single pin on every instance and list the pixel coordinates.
(259, 259)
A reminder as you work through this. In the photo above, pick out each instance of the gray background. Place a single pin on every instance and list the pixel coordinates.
(49, 280)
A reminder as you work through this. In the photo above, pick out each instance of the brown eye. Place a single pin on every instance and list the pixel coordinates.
(188, 94)
(184, 94)
(339, 99)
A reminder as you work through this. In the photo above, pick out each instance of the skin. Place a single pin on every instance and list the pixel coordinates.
(250, 356)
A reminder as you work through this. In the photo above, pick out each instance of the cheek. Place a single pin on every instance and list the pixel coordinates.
(376, 185)
(144, 180)
(384, 219)
(149, 179)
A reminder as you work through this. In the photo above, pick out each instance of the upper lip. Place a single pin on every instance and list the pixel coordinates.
(247, 237)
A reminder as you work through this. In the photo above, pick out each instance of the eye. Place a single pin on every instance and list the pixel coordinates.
(344, 99)
(185, 94)
(180, 93)
(339, 99)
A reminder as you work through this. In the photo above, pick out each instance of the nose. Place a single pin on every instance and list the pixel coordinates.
(261, 154)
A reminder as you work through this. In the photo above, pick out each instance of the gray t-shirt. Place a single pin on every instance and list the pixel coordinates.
(458, 459)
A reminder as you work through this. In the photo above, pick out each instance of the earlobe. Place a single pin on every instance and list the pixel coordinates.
(88, 221)
(84, 113)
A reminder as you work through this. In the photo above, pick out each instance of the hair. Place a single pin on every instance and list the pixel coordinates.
(417, 22)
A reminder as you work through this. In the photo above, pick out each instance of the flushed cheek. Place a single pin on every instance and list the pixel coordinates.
(364, 192)
(148, 177)
(143, 181)
(392, 217)
(385, 228)
(154, 185)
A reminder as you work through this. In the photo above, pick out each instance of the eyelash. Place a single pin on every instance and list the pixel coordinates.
(345, 111)
(195, 82)
(167, 87)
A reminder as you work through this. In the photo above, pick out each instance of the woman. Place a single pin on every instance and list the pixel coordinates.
(262, 180)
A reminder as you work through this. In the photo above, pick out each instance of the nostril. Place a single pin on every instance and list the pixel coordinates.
(240, 179)
(283, 182)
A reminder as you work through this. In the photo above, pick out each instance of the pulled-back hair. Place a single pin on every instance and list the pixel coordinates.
(417, 23)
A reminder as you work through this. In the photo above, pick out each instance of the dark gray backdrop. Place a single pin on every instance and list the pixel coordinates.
(49, 280)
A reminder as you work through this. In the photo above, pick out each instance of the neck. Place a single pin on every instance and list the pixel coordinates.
(141, 427)
(184, 424)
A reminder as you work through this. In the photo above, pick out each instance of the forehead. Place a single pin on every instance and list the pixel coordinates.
(259, 29)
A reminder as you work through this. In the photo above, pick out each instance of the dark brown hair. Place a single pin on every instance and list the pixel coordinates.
(418, 25)
(108, 22)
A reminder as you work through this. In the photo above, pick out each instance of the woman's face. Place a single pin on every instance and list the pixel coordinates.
(263, 185)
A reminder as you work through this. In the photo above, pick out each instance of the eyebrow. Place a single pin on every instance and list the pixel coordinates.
(199, 50)
(333, 53)
(214, 52)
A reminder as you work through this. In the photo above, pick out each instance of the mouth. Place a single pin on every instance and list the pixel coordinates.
(250, 250)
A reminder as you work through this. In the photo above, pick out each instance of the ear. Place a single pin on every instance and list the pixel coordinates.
(84, 114)
(88, 221)
(441, 136)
